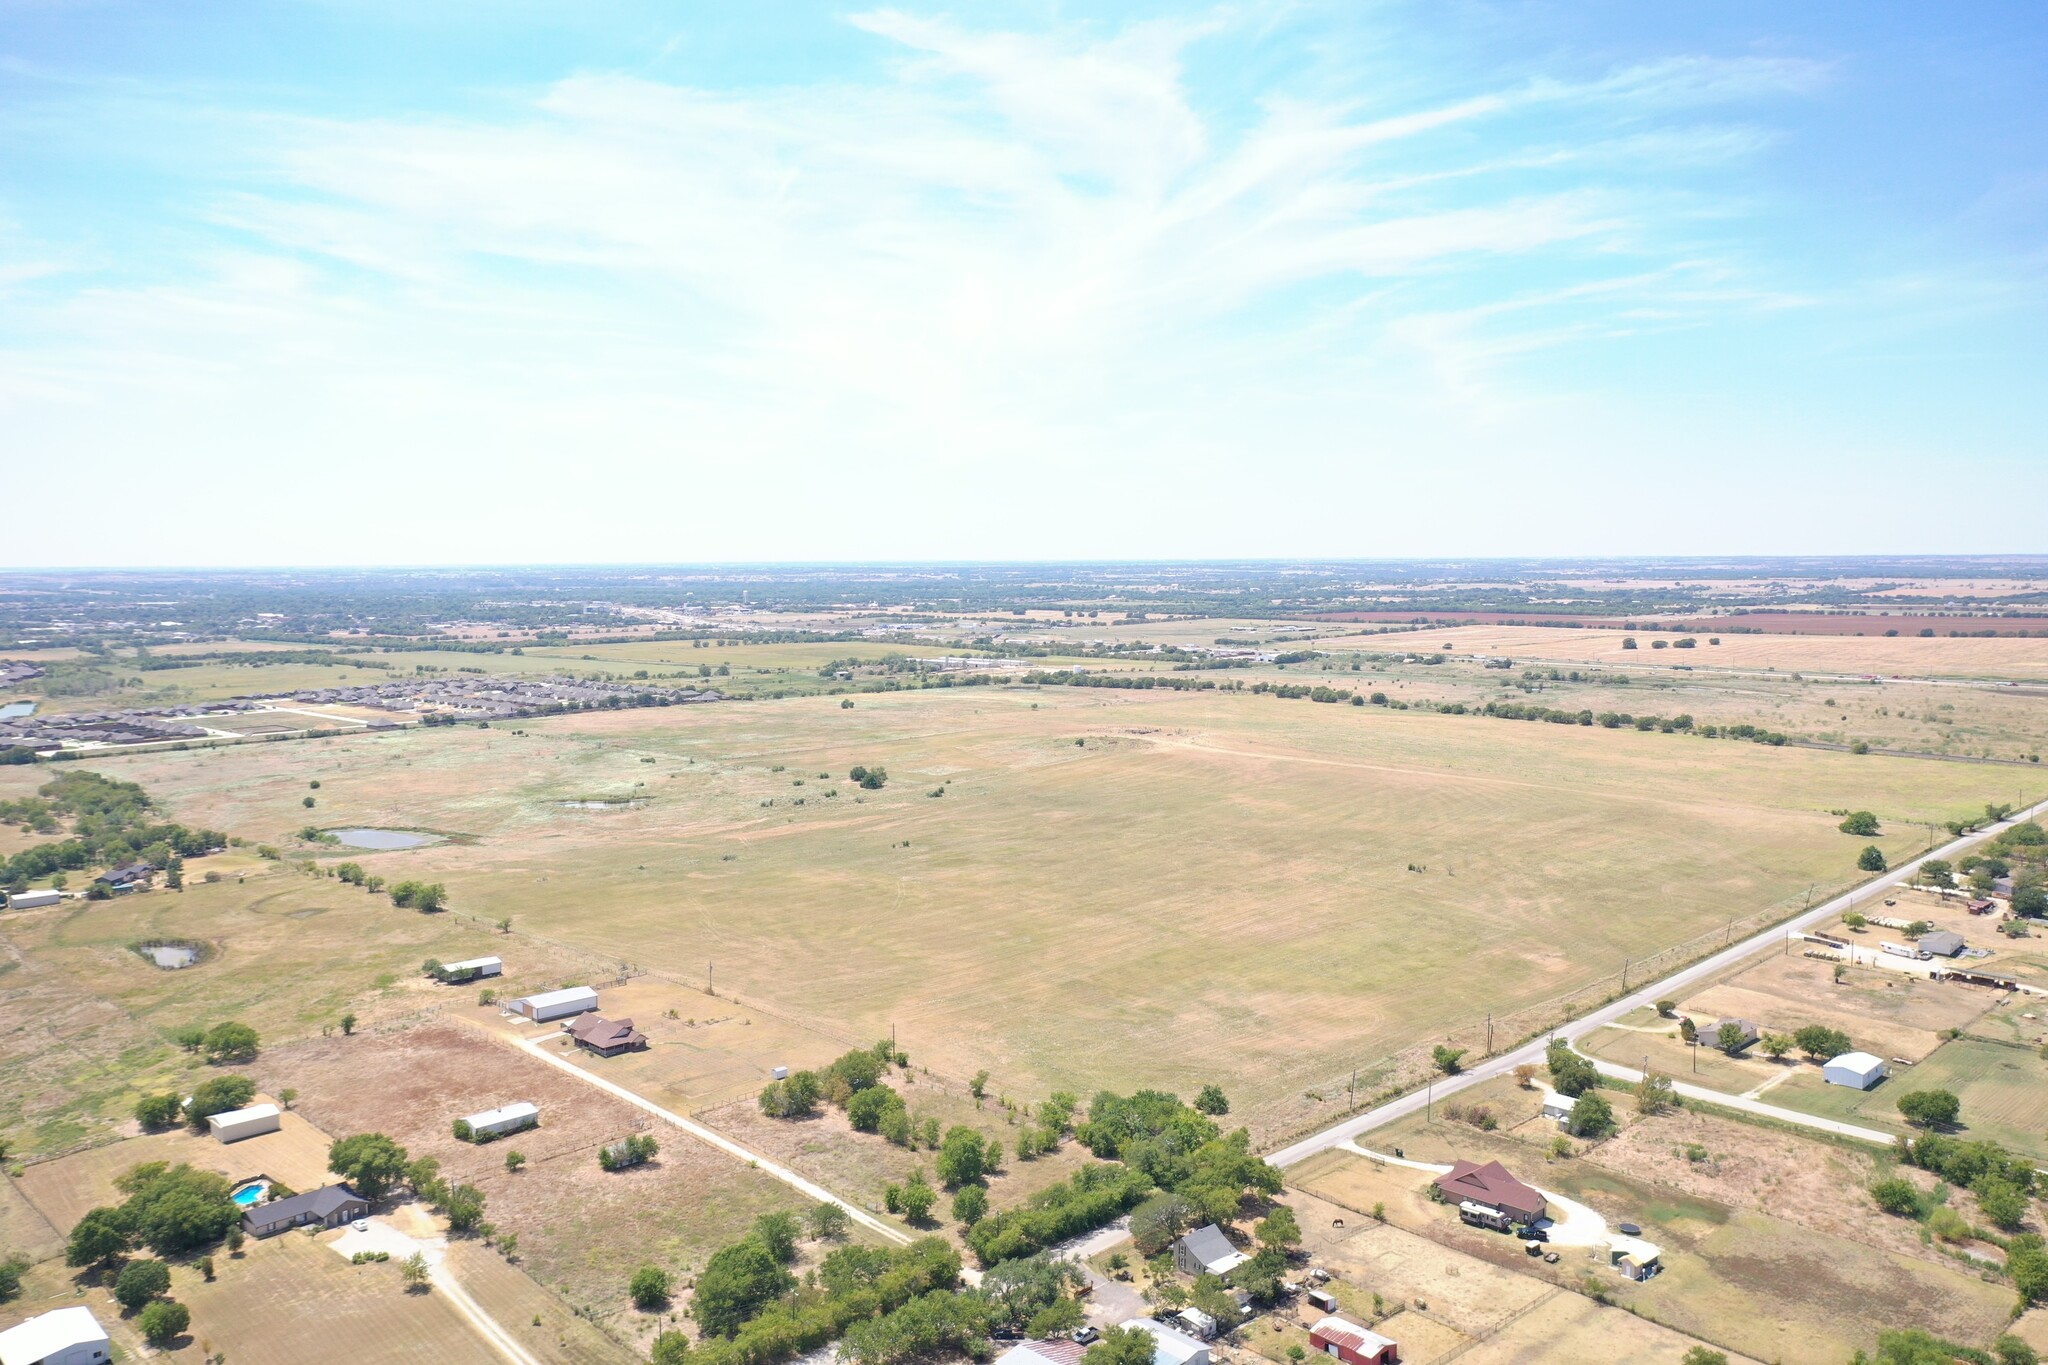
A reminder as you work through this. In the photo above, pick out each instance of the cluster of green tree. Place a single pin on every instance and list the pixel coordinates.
(914, 1197)
(12, 1267)
(462, 1205)
(752, 1311)
(254, 658)
(1930, 1108)
(1915, 1346)
(1094, 1195)
(216, 1095)
(1118, 681)
(110, 825)
(872, 779)
(228, 1041)
(1570, 1074)
(171, 1210)
(637, 1150)
(1179, 1148)
(1296, 691)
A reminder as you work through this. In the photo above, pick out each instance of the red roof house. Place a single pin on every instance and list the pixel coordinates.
(1493, 1186)
(1355, 1345)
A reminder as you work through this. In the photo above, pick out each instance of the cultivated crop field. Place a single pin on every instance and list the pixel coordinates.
(1113, 888)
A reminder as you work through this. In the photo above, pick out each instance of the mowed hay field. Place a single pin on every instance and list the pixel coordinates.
(1906, 654)
(1204, 887)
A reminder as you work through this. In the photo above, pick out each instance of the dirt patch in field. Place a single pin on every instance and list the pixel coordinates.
(1570, 1329)
(581, 1231)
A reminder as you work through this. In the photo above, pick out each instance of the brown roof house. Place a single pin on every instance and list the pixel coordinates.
(1491, 1186)
(606, 1037)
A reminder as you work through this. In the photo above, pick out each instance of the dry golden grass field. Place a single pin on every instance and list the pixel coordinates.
(1907, 655)
(1203, 887)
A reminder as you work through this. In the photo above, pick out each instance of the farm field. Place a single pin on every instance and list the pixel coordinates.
(1906, 655)
(85, 1020)
(1036, 919)
(2003, 1088)
(581, 1231)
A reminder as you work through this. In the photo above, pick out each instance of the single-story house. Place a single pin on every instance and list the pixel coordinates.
(33, 900)
(469, 969)
(1491, 1186)
(607, 1037)
(328, 1207)
(1942, 943)
(1171, 1347)
(236, 1124)
(1858, 1069)
(127, 877)
(1634, 1257)
(1049, 1351)
(62, 1336)
(1206, 1251)
(506, 1118)
(556, 1004)
(1556, 1106)
(1746, 1029)
(1352, 1344)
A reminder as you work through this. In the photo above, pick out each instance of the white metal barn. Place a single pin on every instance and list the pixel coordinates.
(33, 900)
(237, 1124)
(1858, 1069)
(472, 968)
(63, 1336)
(509, 1118)
(557, 1004)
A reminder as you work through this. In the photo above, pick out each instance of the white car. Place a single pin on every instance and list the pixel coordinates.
(361, 1225)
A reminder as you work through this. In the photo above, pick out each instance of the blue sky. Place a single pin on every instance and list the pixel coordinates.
(358, 281)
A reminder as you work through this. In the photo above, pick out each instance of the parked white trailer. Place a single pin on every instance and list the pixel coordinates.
(237, 1124)
(507, 1118)
(1903, 950)
(469, 969)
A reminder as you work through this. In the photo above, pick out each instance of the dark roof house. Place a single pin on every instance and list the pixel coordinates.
(1492, 1186)
(1941, 943)
(126, 875)
(1206, 1251)
(1746, 1030)
(329, 1207)
(606, 1037)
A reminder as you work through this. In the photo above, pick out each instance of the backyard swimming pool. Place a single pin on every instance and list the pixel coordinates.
(251, 1193)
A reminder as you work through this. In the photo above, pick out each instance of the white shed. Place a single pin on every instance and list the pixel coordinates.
(1858, 1069)
(33, 900)
(1170, 1347)
(469, 969)
(237, 1124)
(557, 1004)
(63, 1336)
(1556, 1106)
(508, 1118)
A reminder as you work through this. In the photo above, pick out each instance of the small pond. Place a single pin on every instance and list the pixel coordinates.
(170, 956)
(383, 838)
(14, 710)
(615, 803)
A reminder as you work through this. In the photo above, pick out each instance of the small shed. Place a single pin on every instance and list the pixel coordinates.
(1942, 943)
(236, 1124)
(1556, 1106)
(62, 1336)
(1745, 1035)
(1351, 1343)
(506, 1118)
(328, 1207)
(469, 969)
(1206, 1251)
(557, 1004)
(1634, 1257)
(1197, 1323)
(1171, 1347)
(33, 900)
(1857, 1069)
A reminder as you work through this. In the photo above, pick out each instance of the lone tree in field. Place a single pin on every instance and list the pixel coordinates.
(1930, 1108)
(230, 1042)
(650, 1287)
(828, 1222)
(1861, 823)
(1447, 1059)
(1212, 1102)
(1871, 859)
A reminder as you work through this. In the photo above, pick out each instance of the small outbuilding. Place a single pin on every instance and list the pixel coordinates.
(507, 1118)
(1857, 1069)
(470, 969)
(1745, 1035)
(1206, 1251)
(1634, 1257)
(1171, 1347)
(1351, 1343)
(327, 1207)
(236, 1124)
(1942, 943)
(556, 1004)
(62, 1336)
(1556, 1106)
(33, 900)
(607, 1037)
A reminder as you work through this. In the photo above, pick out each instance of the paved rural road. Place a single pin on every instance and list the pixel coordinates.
(719, 1140)
(1649, 994)
(1750, 1106)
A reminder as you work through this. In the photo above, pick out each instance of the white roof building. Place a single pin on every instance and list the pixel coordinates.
(1171, 1347)
(1857, 1069)
(236, 1124)
(63, 1336)
(505, 1118)
(557, 1004)
(475, 966)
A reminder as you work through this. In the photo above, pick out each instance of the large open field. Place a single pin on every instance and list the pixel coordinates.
(1114, 888)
